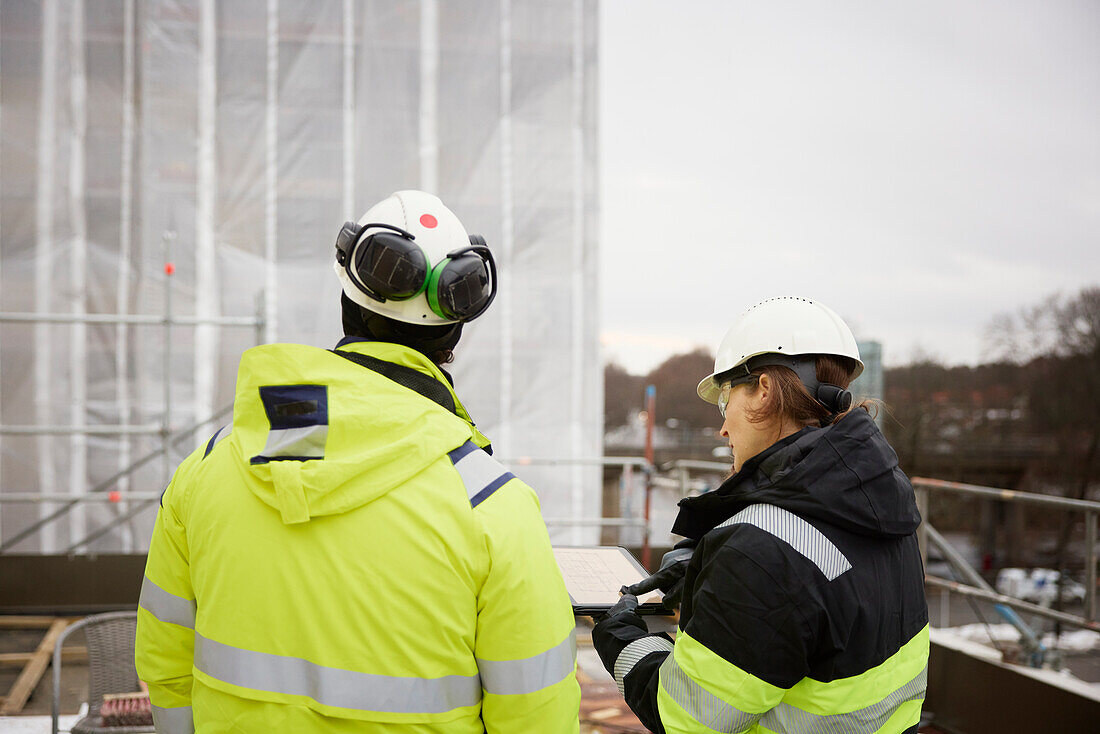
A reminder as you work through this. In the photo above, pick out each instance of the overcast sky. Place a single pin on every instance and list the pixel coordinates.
(919, 167)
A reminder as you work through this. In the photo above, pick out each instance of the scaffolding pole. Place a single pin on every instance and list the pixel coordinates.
(128, 319)
(44, 247)
(110, 481)
(577, 250)
(507, 226)
(125, 245)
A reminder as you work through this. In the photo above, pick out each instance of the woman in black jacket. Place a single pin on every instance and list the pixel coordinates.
(803, 591)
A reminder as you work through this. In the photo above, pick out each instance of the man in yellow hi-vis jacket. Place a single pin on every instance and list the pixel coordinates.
(347, 556)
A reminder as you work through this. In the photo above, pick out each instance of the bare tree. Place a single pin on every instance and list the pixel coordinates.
(1058, 342)
(622, 395)
(676, 380)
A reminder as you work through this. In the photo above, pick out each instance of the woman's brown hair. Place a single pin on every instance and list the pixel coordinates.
(793, 402)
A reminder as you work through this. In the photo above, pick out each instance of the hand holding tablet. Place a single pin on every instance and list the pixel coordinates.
(595, 574)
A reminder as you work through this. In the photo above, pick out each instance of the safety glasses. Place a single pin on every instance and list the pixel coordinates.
(724, 396)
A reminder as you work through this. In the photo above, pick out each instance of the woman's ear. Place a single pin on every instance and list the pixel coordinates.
(764, 386)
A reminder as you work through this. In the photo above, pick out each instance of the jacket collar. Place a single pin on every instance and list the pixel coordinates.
(845, 474)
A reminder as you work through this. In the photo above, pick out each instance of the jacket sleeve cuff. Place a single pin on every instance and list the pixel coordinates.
(611, 635)
(633, 657)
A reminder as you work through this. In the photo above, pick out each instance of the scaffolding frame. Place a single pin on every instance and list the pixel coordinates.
(169, 439)
(501, 172)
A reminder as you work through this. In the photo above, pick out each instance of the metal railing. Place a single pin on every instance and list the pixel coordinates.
(924, 487)
(627, 463)
(977, 588)
(128, 319)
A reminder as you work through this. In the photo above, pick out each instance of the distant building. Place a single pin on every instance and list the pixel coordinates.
(870, 383)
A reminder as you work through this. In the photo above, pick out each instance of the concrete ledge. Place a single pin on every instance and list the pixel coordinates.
(970, 691)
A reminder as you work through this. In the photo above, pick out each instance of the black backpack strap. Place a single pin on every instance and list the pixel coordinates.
(408, 377)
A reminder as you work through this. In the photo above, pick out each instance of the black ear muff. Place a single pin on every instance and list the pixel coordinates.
(835, 398)
(386, 265)
(392, 266)
(345, 241)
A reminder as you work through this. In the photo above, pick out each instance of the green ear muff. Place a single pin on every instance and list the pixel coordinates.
(463, 284)
(432, 286)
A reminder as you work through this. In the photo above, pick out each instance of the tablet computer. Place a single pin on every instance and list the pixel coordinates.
(594, 574)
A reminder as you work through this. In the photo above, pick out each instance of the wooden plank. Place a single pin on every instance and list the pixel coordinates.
(32, 672)
(68, 655)
(22, 622)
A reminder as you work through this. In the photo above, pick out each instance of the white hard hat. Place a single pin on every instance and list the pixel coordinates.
(782, 326)
(410, 259)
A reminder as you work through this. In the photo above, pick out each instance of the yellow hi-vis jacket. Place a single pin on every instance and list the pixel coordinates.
(347, 559)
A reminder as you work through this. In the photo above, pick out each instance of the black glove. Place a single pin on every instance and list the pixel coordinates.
(617, 629)
(669, 578)
(626, 603)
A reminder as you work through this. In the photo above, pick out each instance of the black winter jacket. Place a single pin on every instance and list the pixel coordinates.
(803, 607)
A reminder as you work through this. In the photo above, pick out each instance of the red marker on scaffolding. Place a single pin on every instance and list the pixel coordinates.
(169, 268)
(114, 496)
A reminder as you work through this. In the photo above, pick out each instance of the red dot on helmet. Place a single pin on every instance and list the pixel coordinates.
(428, 221)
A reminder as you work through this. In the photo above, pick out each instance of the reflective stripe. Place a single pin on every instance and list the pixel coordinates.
(347, 689)
(701, 704)
(866, 688)
(297, 444)
(174, 720)
(787, 718)
(166, 607)
(514, 677)
(481, 474)
(724, 679)
(634, 652)
(797, 533)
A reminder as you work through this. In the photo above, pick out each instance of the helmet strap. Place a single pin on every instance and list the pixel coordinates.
(833, 398)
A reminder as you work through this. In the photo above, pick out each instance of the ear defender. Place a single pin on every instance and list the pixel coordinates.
(432, 289)
(463, 284)
(386, 265)
(835, 398)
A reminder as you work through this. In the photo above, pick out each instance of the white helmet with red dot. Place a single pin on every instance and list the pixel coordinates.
(410, 259)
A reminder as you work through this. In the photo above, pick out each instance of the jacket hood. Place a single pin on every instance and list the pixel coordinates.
(845, 474)
(321, 435)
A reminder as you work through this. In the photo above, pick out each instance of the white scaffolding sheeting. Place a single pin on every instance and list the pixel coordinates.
(348, 120)
(1, 240)
(429, 93)
(506, 257)
(77, 263)
(44, 258)
(206, 256)
(124, 286)
(241, 135)
(271, 176)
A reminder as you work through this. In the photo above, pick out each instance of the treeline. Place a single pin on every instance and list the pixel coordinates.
(1029, 419)
(675, 380)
